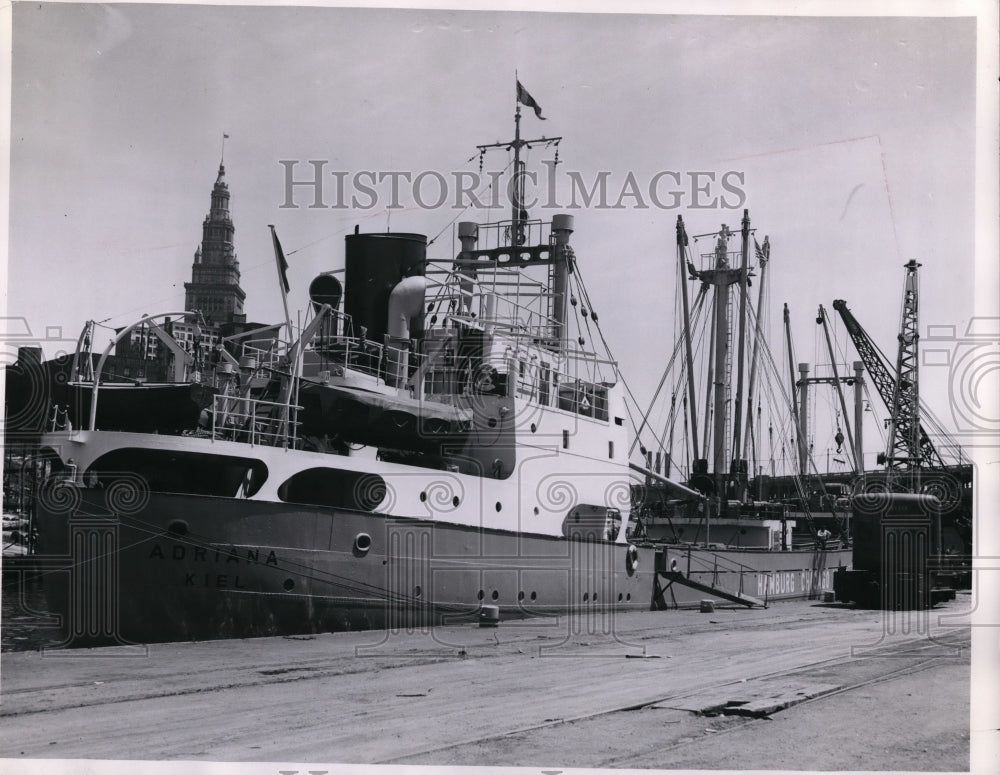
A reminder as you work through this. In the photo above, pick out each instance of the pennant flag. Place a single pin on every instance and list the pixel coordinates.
(527, 100)
(279, 256)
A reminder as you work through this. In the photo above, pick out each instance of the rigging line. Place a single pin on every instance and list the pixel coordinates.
(695, 319)
(607, 349)
(204, 542)
(475, 198)
(146, 305)
(679, 387)
(656, 394)
(924, 408)
(775, 375)
(342, 232)
(879, 427)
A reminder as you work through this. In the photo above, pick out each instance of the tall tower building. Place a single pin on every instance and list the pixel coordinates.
(215, 289)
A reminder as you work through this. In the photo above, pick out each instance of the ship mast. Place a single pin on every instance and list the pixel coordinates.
(518, 215)
(722, 276)
(682, 243)
(517, 191)
(561, 257)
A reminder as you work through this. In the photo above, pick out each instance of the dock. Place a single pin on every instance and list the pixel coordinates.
(734, 688)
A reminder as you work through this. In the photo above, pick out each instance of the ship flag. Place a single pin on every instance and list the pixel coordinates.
(282, 264)
(762, 253)
(528, 101)
(279, 256)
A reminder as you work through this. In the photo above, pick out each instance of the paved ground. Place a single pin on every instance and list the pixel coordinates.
(800, 685)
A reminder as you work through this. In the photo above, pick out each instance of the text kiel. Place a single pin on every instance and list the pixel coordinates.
(180, 552)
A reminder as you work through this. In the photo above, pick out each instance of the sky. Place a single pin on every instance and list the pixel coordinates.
(850, 140)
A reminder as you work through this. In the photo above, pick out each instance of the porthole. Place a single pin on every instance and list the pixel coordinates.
(533, 427)
(178, 528)
(520, 595)
(492, 422)
(288, 585)
(533, 595)
(416, 591)
(455, 501)
(362, 543)
(499, 506)
(586, 597)
(536, 511)
(628, 596)
(619, 597)
(423, 497)
(495, 595)
(481, 594)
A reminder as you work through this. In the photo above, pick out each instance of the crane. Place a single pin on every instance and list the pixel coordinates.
(910, 447)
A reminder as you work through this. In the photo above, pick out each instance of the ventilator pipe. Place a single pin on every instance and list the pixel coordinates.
(406, 304)
(468, 235)
(562, 227)
(326, 289)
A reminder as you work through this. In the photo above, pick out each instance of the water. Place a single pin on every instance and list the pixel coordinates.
(24, 623)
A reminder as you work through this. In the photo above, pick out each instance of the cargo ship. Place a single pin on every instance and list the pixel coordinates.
(434, 443)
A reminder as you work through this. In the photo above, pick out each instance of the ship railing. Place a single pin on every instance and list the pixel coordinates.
(733, 259)
(809, 544)
(391, 363)
(495, 295)
(718, 566)
(253, 421)
(567, 378)
(263, 355)
(511, 233)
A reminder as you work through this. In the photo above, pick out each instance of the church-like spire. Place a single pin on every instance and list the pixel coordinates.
(215, 289)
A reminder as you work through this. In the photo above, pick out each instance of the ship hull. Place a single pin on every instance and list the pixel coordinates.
(189, 567)
(184, 567)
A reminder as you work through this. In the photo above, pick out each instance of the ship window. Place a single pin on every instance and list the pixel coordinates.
(334, 487)
(543, 385)
(191, 473)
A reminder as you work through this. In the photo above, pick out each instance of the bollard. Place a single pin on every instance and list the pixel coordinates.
(489, 616)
